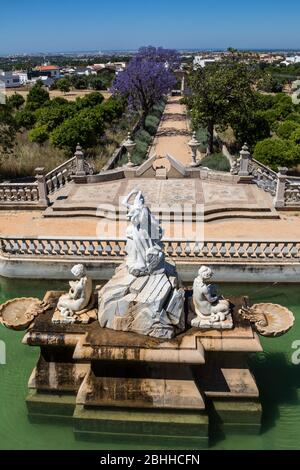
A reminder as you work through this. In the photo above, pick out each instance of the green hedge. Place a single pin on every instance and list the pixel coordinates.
(143, 136)
(151, 124)
(216, 161)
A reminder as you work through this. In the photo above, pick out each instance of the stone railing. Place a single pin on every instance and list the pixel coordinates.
(37, 193)
(292, 193)
(247, 168)
(288, 191)
(285, 189)
(20, 193)
(179, 249)
(263, 177)
(60, 176)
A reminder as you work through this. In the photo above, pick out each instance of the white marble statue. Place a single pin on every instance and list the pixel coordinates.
(211, 309)
(144, 295)
(79, 295)
(144, 250)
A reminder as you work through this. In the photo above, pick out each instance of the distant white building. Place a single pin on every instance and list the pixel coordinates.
(23, 77)
(291, 60)
(87, 71)
(200, 61)
(47, 81)
(10, 79)
(52, 71)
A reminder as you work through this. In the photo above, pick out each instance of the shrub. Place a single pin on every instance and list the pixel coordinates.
(277, 152)
(151, 124)
(286, 128)
(295, 136)
(37, 97)
(52, 116)
(216, 161)
(294, 117)
(25, 118)
(112, 109)
(141, 147)
(90, 100)
(58, 101)
(86, 127)
(143, 136)
(271, 115)
(38, 135)
(15, 101)
(7, 128)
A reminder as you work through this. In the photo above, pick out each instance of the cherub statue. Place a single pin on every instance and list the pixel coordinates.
(79, 295)
(144, 250)
(209, 306)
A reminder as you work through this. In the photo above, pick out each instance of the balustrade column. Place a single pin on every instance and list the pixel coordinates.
(80, 170)
(42, 186)
(279, 201)
(245, 157)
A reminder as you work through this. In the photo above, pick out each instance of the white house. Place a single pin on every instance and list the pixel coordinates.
(10, 79)
(51, 71)
(200, 61)
(87, 71)
(47, 81)
(291, 60)
(23, 77)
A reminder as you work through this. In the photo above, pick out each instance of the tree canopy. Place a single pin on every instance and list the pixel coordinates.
(146, 78)
(221, 94)
(37, 96)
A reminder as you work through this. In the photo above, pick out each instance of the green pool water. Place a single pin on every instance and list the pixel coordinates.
(277, 377)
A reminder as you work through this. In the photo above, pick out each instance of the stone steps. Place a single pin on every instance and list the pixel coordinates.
(210, 215)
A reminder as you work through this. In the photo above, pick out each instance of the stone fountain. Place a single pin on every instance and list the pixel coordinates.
(141, 355)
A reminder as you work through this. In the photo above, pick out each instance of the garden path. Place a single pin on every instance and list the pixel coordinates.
(173, 134)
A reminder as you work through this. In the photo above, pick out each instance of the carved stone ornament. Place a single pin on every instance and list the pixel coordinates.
(269, 319)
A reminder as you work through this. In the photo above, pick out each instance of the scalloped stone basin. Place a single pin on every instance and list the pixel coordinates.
(279, 319)
(17, 314)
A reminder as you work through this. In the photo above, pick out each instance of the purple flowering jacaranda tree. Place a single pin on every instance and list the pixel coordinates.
(147, 78)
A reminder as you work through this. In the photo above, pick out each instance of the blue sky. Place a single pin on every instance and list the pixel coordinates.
(68, 25)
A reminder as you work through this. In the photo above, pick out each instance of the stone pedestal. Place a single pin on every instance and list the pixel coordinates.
(125, 386)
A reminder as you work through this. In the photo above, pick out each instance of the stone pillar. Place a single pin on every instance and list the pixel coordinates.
(182, 84)
(280, 190)
(80, 170)
(42, 186)
(245, 157)
(194, 145)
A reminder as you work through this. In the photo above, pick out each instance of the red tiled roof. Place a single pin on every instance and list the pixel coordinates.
(48, 67)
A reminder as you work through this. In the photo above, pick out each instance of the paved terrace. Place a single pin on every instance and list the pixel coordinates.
(172, 138)
(33, 224)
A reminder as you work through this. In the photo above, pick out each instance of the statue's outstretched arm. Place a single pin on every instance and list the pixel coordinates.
(125, 201)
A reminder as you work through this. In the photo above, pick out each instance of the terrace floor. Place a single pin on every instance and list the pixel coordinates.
(232, 211)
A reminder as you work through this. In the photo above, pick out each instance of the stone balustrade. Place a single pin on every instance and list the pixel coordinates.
(263, 177)
(60, 176)
(292, 193)
(285, 189)
(179, 249)
(19, 193)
